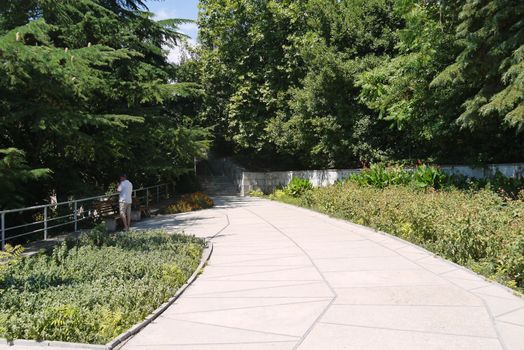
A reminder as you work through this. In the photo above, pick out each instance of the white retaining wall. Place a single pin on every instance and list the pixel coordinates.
(267, 182)
(515, 170)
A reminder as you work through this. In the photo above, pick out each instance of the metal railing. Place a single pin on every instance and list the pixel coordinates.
(42, 219)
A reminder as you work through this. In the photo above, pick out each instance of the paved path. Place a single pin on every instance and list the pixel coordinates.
(282, 277)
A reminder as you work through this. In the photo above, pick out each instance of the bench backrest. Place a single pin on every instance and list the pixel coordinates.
(105, 208)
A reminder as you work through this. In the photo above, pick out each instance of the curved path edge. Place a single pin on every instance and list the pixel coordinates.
(122, 338)
(285, 277)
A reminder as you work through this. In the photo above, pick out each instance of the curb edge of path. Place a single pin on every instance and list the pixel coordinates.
(398, 239)
(155, 314)
(122, 338)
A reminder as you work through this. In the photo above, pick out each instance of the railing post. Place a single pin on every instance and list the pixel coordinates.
(167, 191)
(45, 223)
(3, 231)
(157, 194)
(147, 198)
(76, 216)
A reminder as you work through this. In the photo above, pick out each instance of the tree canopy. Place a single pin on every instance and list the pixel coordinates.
(87, 93)
(327, 83)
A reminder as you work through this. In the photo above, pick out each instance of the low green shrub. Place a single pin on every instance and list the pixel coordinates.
(424, 176)
(481, 230)
(256, 193)
(282, 196)
(189, 202)
(503, 185)
(380, 176)
(297, 187)
(92, 289)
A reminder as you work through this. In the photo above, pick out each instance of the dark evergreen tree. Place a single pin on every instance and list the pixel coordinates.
(87, 92)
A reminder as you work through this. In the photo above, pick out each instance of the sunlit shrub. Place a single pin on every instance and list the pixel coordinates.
(190, 202)
(92, 289)
(256, 193)
(297, 187)
(478, 229)
(380, 176)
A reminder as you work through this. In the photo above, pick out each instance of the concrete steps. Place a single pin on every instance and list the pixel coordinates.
(218, 186)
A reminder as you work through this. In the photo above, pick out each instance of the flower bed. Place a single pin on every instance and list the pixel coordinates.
(189, 202)
(92, 289)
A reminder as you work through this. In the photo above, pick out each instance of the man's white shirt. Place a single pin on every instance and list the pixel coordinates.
(125, 192)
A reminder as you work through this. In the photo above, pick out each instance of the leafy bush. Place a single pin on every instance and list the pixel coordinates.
(282, 196)
(380, 176)
(9, 256)
(94, 288)
(429, 176)
(298, 187)
(256, 193)
(480, 230)
(503, 185)
(190, 202)
(424, 176)
(188, 183)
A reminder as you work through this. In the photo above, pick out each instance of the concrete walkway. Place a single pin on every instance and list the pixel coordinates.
(282, 277)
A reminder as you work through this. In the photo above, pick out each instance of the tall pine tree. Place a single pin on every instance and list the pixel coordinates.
(87, 92)
(489, 72)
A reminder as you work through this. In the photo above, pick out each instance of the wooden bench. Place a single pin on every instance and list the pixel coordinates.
(143, 208)
(109, 211)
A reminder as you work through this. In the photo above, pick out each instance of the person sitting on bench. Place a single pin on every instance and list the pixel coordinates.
(125, 194)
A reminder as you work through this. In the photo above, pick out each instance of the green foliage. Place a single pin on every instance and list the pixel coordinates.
(256, 193)
(480, 230)
(190, 202)
(323, 83)
(429, 176)
(280, 76)
(488, 72)
(507, 187)
(282, 196)
(446, 87)
(14, 174)
(87, 92)
(74, 295)
(380, 176)
(8, 257)
(297, 187)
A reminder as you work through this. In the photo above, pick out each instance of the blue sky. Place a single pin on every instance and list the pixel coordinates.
(177, 9)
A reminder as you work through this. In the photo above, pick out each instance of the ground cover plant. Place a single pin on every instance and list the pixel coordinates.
(92, 289)
(189, 202)
(480, 229)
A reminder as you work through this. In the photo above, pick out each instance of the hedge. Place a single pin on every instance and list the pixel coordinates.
(92, 289)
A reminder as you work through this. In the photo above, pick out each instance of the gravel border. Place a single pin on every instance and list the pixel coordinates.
(206, 254)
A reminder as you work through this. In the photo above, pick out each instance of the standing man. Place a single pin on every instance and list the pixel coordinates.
(125, 199)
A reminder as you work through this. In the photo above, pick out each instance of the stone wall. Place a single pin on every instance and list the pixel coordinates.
(515, 170)
(267, 182)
